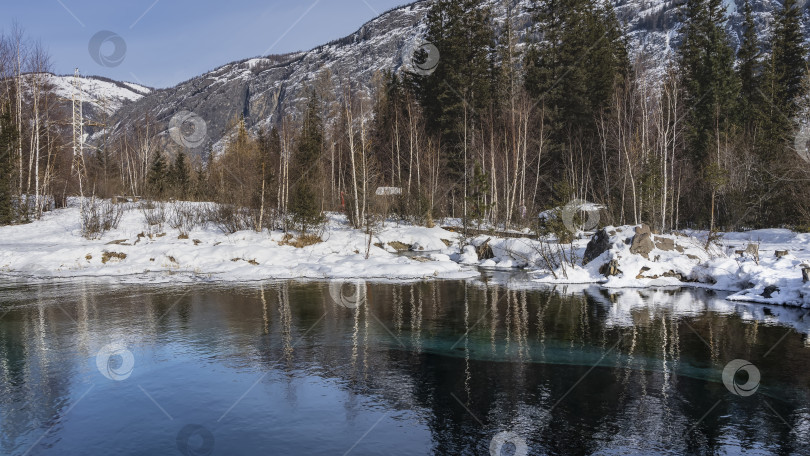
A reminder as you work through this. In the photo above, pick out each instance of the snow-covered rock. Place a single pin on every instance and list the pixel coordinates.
(669, 260)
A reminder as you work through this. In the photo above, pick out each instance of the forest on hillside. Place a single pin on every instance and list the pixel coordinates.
(499, 129)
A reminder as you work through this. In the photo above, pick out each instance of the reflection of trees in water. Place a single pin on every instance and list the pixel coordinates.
(516, 358)
(285, 318)
(637, 398)
(35, 378)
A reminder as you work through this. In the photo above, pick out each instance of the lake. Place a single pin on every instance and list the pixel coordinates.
(492, 366)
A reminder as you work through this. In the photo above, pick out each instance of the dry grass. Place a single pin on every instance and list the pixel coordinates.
(399, 246)
(253, 262)
(107, 256)
(304, 240)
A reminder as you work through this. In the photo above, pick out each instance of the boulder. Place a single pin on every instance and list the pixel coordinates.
(665, 244)
(769, 291)
(599, 244)
(674, 274)
(642, 243)
(484, 251)
(641, 274)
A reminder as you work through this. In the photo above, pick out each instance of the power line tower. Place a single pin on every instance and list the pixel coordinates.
(78, 138)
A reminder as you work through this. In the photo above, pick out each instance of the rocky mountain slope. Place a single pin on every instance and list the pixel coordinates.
(260, 89)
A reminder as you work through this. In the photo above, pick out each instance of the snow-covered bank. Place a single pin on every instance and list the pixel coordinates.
(617, 257)
(623, 258)
(53, 247)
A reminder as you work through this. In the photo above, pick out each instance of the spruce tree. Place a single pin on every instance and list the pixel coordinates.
(8, 138)
(782, 84)
(708, 76)
(711, 91)
(157, 177)
(202, 189)
(579, 61)
(269, 145)
(479, 194)
(180, 175)
(573, 70)
(460, 87)
(304, 204)
(388, 113)
(749, 71)
(787, 68)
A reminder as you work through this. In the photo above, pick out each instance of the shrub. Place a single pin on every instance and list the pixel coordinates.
(230, 219)
(100, 216)
(154, 214)
(183, 218)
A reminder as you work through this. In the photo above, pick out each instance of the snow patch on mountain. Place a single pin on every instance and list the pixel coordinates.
(106, 95)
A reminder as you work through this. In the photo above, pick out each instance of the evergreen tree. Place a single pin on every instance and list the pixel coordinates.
(8, 138)
(749, 70)
(573, 71)
(460, 86)
(785, 72)
(202, 188)
(782, 84)
(269, 149)
(158, 175)
(388, 114)
(711, 91)
(479, 193)
(180, 175)
(269, 145)
(707, 70)
(304, 204)
(576, 66)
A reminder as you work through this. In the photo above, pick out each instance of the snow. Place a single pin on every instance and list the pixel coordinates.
(54, 248)
(106, 95)
(690, 264)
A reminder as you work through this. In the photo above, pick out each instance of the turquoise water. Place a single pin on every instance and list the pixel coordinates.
(443, 367)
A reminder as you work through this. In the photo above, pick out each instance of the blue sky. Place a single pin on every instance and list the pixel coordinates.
(169, 41)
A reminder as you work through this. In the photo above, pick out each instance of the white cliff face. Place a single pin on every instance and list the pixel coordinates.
(260, 89)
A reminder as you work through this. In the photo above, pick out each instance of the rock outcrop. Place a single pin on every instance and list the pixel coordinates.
(599, 244)
(642, 243)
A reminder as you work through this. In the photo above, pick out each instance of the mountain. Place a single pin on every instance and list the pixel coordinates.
(260, 89)
(101, 97)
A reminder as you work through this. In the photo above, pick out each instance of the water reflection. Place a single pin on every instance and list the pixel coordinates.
(433, 367)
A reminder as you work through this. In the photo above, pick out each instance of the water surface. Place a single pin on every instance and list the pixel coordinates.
(441, 367)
